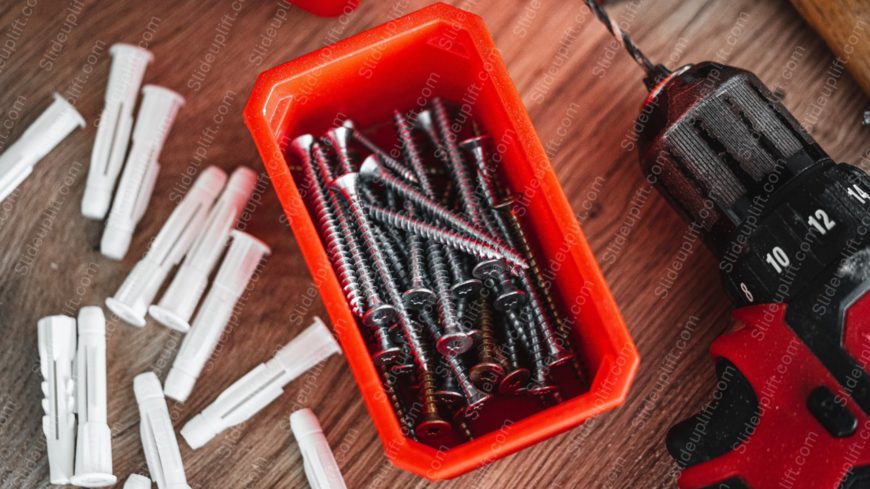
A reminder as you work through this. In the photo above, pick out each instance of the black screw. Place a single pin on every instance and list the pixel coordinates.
(508, 295)
(432, 425)
(455, 340)
(494, 274)
(378, 315)
(540, 385)
(395, 259)
(517, 376)
(402, 414)
(388, 160)
(486, 184)
(372, 170)
(412, 156)
(425, 122)
(431, 232)
(519, 240)
(544, 313)
(489, 370)
(419, 295)
(457, 165)
(325, 211)
(448, 392)
(475, 398)
(338, 138)
(464, 286)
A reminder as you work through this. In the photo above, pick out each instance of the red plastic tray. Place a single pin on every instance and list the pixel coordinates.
(327, 8)
(442, 51)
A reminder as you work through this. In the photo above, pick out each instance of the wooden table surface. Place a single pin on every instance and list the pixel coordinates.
(557, 54)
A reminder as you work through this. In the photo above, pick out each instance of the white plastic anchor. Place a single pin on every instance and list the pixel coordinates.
(184, 292)
(116, 121)
(158, 439)
(319, 463)
(46, 132)
(93, 467)
(262, 385)
(232, 278)
(132, 299)
(136, 481)
(57, 346)
(155, 118)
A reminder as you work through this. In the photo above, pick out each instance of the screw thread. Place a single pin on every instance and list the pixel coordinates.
(436, 210)
(418, 350)
(509, 349)
(554, 342)
(427, 392)
(442, 236)
(394, 261)
(530, 341)
(542, 304)
(457, 267)
(487, 350)
(339, 144)
(403, 416)
(457, 165)
(446, 310)
(325, 213)
(366, 281)
(415, 252)
(412, 156)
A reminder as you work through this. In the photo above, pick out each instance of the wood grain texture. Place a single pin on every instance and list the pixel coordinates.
(844, 26)
(558, 56)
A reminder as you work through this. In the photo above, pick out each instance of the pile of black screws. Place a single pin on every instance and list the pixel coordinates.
(434, 262)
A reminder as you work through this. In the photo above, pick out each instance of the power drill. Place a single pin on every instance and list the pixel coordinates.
(791, 229)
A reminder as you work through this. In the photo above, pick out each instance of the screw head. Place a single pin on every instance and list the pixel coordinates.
(505, 203)
(346, 184)
(543, 391)
(488, 269)
(475, 404)
(380, 316)
(454, 344)
(302, 145)
(514, 381)
(510, 300)
(370, 167)
(563, 359)
(467, 289)
(418, 298)
(432, 429)
(339, 137)
(486, 375)
(402, 369)
(424, 121)
(474, 143)
(388, 357)
(449, 399)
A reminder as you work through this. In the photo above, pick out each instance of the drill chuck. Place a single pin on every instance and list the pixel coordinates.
(719, 143)
(771, 204)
